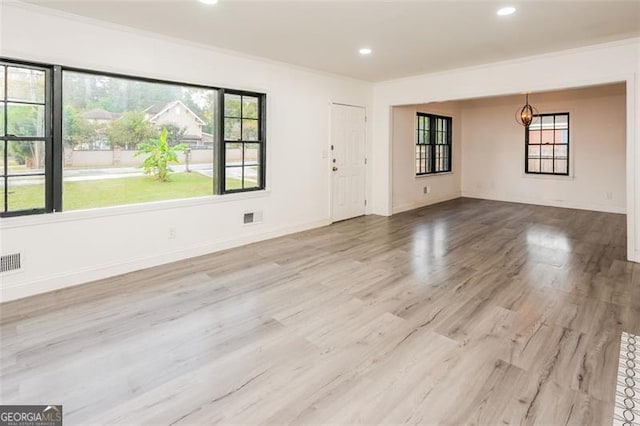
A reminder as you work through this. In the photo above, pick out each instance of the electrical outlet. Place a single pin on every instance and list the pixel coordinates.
(425, 189)
(172, 233)
(609, 195)
(428, 190)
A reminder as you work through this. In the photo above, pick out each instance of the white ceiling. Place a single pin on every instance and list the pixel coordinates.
(407, 37)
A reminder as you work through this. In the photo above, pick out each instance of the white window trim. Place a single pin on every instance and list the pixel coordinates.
(127, 209)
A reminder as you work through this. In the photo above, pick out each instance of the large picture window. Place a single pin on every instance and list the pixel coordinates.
(112, 125)
(547, 145)
(74, 139)
(433, 144)
(25, 138)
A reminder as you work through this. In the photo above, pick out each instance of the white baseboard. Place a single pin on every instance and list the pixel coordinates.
(549, 203)
(429, 200)
(86, 275)
(633, 256)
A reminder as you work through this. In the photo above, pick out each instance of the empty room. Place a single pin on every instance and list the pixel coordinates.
(319, 212)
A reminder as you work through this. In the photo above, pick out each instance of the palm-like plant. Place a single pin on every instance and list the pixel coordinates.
(159, 155)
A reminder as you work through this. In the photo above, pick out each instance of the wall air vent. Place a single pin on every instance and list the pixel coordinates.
(252, 217)
(10, 262)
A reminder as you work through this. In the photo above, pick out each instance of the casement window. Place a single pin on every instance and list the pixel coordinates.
(74, 139)
(433, 144)
(547, 145)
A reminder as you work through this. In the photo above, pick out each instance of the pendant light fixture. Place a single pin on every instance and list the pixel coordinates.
(524, 116)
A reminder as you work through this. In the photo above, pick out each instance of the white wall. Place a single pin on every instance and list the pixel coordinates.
(69, 248)
(606, 63)
(408, 189)
(493, 146)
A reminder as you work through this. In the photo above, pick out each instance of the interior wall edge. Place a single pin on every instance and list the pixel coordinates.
(546, 202)
(435, 200)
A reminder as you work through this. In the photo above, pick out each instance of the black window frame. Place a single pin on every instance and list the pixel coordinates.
(47, 137)
(54, 125)
(262, 131)
(527, 144)
(430, 161)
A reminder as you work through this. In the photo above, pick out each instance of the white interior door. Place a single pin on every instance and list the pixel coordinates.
(347, 161)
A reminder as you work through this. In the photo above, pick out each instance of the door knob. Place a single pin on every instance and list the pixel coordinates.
(335, 169)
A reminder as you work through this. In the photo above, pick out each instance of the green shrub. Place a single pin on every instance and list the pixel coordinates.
(159, 155)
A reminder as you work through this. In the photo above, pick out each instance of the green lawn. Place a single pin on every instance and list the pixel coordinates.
(111, 192)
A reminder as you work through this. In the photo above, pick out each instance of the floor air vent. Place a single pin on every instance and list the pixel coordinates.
(248, 218)
(10, 262)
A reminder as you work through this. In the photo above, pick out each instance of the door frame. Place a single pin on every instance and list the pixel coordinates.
(328, 156)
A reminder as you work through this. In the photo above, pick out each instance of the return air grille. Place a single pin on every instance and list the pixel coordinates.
(10, 262)
(252, 217)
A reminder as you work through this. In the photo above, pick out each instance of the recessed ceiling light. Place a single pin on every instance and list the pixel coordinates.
(506, 11)
(209, 1)
(365, 51)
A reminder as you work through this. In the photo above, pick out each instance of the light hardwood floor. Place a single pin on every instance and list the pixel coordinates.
(469, 311)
